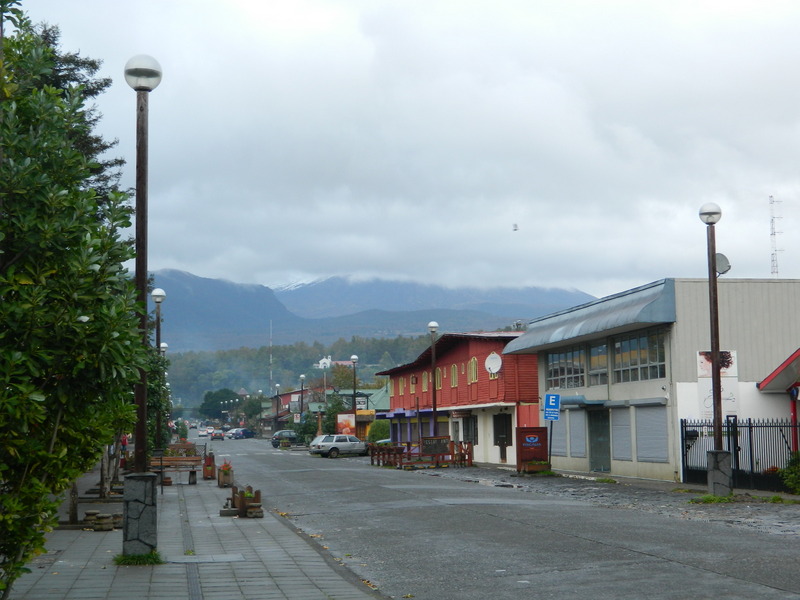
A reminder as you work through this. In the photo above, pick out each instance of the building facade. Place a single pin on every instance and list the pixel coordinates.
(480, 395)
(630, 366)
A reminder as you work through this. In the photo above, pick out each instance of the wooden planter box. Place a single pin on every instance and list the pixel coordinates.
(535, 468)
(224, 478)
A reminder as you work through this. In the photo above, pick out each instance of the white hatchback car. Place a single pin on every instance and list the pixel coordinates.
(335, 444)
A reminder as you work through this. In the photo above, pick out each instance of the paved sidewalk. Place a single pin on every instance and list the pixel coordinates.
(208, 557)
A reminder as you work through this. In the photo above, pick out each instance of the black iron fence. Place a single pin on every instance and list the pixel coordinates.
(758, 450)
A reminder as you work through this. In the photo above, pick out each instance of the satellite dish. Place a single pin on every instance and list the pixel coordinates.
(723, 264)
(493, 363)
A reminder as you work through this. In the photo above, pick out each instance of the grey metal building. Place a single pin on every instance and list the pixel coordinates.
(629, 366)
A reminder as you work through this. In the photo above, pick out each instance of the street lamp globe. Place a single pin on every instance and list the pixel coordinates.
(143, 73)
(710, 213)
(433, 327)
(158, 295)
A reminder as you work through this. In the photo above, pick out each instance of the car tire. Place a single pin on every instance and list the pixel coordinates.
(333, 453)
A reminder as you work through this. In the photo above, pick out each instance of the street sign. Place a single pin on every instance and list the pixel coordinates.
(552, 406)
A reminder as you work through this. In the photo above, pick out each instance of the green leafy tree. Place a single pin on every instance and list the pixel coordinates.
(330, 420)
(379, 430)
(213, 406)
(70, 348)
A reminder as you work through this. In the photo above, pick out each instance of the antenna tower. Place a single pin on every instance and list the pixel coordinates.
(773, 234)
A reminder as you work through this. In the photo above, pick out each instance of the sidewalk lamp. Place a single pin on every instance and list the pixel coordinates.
(433, 327)
(354, 360)
(143, 74)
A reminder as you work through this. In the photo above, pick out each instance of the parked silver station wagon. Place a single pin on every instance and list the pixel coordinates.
(335, 444)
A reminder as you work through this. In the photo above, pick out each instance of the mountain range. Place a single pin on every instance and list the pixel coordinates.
(202, 314)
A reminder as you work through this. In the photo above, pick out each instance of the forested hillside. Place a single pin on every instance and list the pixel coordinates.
(191, 374)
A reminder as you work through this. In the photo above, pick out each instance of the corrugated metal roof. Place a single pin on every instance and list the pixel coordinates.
(649, 304)
(446, 341)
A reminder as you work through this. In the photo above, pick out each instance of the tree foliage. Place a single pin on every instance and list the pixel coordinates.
(192, 374)
(70, 348)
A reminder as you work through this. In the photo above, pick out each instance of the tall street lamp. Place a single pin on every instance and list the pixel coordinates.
(710, 214)
(277, 405)
(354, 360)
(143, 74)
(719, 461)
(433, 327)
(158, 295)
(302, 389)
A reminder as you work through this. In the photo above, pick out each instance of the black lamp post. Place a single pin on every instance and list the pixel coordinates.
(710, 214)
(143, 74)
(302, 389)
(354, 360)
(158, 295)
(433, 327)
(277, 405)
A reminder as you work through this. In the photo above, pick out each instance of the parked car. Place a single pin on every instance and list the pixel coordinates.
(334, 445)
(284, 434)
(243, 433)
(192, 425)
(231, 433)
(217, 434)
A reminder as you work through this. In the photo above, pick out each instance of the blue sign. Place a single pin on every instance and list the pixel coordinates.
(552, 406)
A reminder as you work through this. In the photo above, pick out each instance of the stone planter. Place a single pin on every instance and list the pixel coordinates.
(224, 478)
(103, 522)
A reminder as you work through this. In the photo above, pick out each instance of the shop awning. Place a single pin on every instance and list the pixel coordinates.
(784, 377)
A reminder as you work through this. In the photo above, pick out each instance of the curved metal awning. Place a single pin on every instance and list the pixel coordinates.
(646, 305)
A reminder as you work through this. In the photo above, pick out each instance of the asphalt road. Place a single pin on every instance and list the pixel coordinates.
(419, 535)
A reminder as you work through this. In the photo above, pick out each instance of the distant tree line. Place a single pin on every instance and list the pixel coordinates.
(192, 374)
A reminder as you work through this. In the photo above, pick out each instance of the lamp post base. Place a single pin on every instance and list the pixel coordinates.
(140, 514)
(719, 473)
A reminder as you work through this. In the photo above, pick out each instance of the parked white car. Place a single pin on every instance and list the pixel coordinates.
(334, 445)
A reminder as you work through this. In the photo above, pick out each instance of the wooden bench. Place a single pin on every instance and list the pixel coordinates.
(160, 464)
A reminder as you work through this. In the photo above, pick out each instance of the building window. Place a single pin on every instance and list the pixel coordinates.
(438, 380)
(472, 370)
(640, 356)
(566, 369)
(402, 386)
(454, 376)
(598, 364)
(425, 381)
(412, 384)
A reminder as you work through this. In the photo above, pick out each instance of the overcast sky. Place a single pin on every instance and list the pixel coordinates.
(464, 143)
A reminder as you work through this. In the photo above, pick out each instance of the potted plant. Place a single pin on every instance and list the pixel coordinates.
(225, 474)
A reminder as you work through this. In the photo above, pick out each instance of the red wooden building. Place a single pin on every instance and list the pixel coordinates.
(481, 396)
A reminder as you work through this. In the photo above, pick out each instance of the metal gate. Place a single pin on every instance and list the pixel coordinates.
(758, 450)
